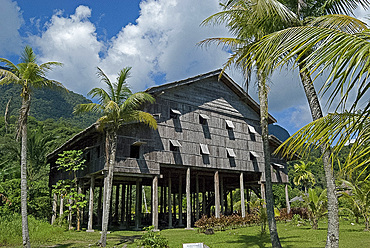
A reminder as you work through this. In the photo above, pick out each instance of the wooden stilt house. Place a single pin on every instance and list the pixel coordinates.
(208, 143)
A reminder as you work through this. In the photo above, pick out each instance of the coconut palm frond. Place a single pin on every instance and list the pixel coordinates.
(88, 107)
(136, 101)
(104, 78)
(122, 91)
(12, 67)
(101, 94)
(49, 66)
(28, 56)
(142, 117)
(343, 6)
(7, 77)
(335, 131)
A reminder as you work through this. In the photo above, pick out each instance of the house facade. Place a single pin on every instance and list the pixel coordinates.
(208, 143)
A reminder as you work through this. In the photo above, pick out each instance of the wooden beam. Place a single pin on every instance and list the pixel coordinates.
(217, 195)
(155, 202)
(188, 200)
(91, 205)
(169, 201)
(196, 197)
(54, 216)
(180, 202)
(242, 195)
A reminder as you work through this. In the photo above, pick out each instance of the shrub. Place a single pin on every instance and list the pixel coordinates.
(153, 239)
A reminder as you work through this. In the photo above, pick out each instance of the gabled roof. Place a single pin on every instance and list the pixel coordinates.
(224, 79)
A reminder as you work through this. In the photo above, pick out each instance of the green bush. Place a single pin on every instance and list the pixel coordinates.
(152, 239)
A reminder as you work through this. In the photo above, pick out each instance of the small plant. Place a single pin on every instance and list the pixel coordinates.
(152, 239)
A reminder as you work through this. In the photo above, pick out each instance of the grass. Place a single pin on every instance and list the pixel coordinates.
(351, 236)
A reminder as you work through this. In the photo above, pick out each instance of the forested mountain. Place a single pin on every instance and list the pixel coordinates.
(56, 103)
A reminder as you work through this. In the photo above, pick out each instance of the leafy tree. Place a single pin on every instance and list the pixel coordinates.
(316, 204)
(72, 162)
(249, 21)
(303, 175)
(270, 52)
(28, 74)
(358, 194)
(117, 106)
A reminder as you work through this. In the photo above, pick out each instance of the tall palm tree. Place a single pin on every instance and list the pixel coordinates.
(308, 59)
(303, 175)
(245, 57)
(117, 106)
(29, 75)
(249, 21)
(359, 196)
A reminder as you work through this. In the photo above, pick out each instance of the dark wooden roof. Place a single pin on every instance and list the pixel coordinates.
(224, 79)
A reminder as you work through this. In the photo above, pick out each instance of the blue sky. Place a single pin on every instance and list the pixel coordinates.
(156, 37)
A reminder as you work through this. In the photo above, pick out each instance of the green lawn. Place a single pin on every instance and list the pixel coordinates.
(351, 236)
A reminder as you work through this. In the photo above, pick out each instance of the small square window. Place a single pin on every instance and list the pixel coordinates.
(277, 166)
(175, 145)
(253, 155)
(203, 119)
(230, 153)
(251, 129)
(229, 124)
(134, 151)
(204, 149)
(174, 114)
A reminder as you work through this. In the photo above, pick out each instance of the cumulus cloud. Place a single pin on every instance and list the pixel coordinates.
(73, 41)
(10, 22)
(163, 42)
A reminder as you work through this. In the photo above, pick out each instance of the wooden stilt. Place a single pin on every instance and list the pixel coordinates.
(242, 196)
(263, 194)
(217, 195)
(181, 224)
(287, 199)
(54, 215)
(137, 205)
(197, 197)
(61, 207)
(91, 205)
(169, 202)
(204, 204)
(123, 204)
(155, 203)
(222, 195)
(188, 200)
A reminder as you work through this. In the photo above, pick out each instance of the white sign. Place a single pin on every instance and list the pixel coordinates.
(194, 245)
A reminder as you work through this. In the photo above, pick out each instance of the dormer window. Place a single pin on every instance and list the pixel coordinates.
(253, 155)
(230, 153)
(174, 145)
(203, 119)
(135, 149)
(204, 149)
(229, 124)
(175, 114)
(251, 129)
(277, 166)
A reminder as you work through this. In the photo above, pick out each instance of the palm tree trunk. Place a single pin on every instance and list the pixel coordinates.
(23, 131)
(262, 94)
(332, 240)
(111, 146)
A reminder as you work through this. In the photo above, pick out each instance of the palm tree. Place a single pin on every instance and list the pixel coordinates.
(316, 205)
(359, 196)
(117, 106)
(260, 55)
(249, 21)
(303, 175)
(29, 75)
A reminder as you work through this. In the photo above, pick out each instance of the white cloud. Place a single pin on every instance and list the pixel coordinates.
(163, 42)
(73, 41)
(10, 22)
